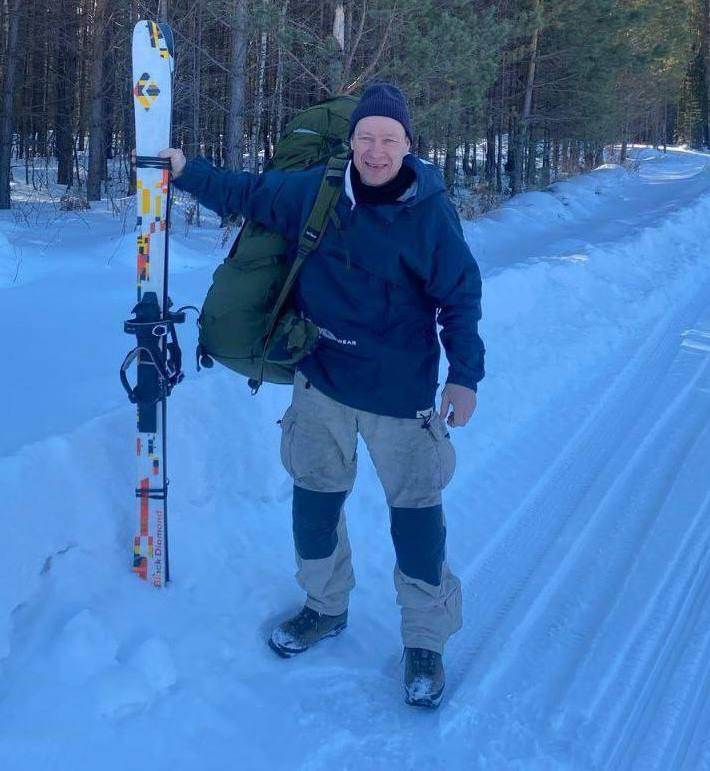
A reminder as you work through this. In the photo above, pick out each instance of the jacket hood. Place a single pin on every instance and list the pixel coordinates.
(429, 179)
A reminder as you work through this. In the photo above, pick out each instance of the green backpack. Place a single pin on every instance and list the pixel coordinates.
(248, 322)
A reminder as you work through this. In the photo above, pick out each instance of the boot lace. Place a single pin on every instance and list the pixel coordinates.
(305, 620)
(423, 661)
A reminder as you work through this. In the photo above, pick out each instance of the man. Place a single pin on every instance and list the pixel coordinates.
(393, 262)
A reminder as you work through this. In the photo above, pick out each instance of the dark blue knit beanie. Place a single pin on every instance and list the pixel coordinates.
(382, 99)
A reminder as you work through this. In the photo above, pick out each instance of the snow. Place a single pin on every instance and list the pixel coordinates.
(577, 517)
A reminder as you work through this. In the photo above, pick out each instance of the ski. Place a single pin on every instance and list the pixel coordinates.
(156, 353)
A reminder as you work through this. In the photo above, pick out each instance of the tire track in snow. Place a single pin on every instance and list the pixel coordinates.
(521, 566)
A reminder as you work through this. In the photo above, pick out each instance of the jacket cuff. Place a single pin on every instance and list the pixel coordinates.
(459, 378)
(193, 176)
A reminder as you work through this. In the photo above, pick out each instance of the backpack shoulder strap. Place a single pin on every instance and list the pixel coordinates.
(330, 187)
(311, 236)
(316, 224)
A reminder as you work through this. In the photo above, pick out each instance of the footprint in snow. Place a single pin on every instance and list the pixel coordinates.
(132, 687)
(83, 648)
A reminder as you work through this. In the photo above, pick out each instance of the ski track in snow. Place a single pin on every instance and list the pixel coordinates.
(577, 520)
(572, 574)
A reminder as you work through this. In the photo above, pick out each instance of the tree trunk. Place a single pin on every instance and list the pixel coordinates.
(259, 104)
(85, 26)
(522, 134)
(234, 140)
(666, 126)
(279, 91)
(197, 79)
(40, 101)
(336, 49)
(490, 151)
(545, 171)
(555, 157)
(499, 162)
(450, 160)
(516, 143)
(66, 77)
(705, 48)
(565, 153)
(129, 128)
(588, 156)
(96, 127)
(108, 110)
(468, 167)
(8, 91)
(531, 165)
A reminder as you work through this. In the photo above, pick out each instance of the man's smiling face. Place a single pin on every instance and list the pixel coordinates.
(379, 145)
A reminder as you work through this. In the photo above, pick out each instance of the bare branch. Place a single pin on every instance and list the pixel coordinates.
(347, 66)
(308, 72)
(204, 53)
(376, 58)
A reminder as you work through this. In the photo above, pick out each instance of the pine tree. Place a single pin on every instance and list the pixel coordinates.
(693, 100)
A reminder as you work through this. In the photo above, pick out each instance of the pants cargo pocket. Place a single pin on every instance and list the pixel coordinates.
(445, 453)
(288, 427)
(452, 601)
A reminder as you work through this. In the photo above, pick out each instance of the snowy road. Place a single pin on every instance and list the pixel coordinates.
(597, 211)
(578, 522)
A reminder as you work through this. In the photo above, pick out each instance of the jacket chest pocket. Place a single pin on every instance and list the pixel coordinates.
(349, 291)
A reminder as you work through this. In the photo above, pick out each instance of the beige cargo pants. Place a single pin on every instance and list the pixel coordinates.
(415, 460)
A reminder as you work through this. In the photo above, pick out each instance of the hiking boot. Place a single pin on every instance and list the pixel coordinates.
(304, 629)
(423, 677)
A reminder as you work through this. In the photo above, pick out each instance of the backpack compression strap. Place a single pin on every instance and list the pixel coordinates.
(308, 242)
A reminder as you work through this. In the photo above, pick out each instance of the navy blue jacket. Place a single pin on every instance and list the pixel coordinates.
(374, 286)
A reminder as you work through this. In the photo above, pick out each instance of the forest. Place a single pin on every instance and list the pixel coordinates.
(506, 95)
